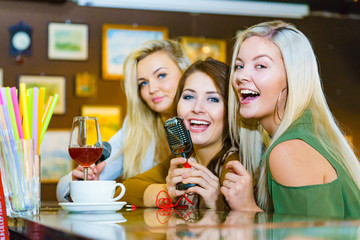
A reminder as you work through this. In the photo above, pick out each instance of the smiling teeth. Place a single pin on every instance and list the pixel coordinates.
(247, 91)
(198, 122)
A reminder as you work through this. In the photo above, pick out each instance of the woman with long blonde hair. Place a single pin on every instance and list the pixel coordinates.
(152, 73)
(276, 101)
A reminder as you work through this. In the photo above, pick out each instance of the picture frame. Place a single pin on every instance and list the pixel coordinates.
(55, 159)
(85, 84)
(52, 85)
(68, 41)
(119, 40)
(109, 118)
(197, 48)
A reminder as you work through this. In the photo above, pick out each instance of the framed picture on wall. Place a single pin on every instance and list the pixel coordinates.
(55, 159)
(68, 41)
(52, 85)
(108, 118)
(202, 48)
(119, 40)
(85, 84)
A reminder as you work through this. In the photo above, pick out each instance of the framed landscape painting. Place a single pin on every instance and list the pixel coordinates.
(108, 118)
(202, 48)
(119, 40)
(52, 85)
(55, 159)
(68, 41)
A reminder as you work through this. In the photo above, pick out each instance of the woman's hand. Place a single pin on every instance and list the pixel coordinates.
(93, 171)
(174, 177)
(238, 188)
(208, 184)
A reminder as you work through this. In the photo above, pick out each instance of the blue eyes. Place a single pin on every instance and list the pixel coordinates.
(259, 66)
(142, 84)
(188, 97)
(210, 99)
(214, 99)
(236, 67)
(162, 75)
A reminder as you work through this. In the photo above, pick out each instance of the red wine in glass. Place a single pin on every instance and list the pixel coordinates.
(85, 156)
(85, 146)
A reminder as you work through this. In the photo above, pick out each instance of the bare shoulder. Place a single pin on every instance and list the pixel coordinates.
(296, 163)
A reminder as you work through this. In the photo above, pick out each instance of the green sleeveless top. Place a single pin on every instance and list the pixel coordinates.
(339, 198)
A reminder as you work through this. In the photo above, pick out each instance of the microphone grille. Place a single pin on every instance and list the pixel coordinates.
(177, 135)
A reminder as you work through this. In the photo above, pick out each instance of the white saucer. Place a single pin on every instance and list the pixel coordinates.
(92, 207)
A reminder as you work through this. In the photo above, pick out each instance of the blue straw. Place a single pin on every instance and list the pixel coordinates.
(12, 156)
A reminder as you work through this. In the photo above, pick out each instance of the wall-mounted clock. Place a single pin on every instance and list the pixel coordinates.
(20, 39)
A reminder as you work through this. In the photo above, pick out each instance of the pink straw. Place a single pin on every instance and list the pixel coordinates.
(16, 111)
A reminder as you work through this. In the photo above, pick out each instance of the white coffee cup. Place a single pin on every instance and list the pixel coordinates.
(95, 191)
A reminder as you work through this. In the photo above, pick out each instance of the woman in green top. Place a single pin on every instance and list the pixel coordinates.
(308, 168)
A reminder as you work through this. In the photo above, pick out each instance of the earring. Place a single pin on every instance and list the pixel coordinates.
(277, 104)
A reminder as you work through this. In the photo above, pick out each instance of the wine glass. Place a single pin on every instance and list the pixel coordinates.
(85, 145)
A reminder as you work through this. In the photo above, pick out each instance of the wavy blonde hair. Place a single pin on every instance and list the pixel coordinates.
(304, 92)
(144, 126)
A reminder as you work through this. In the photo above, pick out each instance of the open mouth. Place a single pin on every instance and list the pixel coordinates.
(199, 124)
(247, 94)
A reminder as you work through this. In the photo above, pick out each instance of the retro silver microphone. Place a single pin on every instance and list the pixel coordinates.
(178, 137)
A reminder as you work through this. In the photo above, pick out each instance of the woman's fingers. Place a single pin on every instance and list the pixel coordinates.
(201, 178)
(96, 170)
(175, 162)
(238, 178)
(237, 186)
(174, 177)
(207, 183)
(197, 180)
(224, 190)
(203, 169)
(100, 167)
(237, 168)
(78, 173)
(176, 180)
(209, 195)
(232, 176)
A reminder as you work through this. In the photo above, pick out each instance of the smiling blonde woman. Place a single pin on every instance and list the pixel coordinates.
(308, 168)
(152, 73)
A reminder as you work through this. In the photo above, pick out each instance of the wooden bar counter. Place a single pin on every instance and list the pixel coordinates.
(151, 223)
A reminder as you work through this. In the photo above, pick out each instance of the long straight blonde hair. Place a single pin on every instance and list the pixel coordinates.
(144, 126)
(304, 92)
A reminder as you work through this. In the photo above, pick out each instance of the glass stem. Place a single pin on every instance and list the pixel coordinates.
(85, 173)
